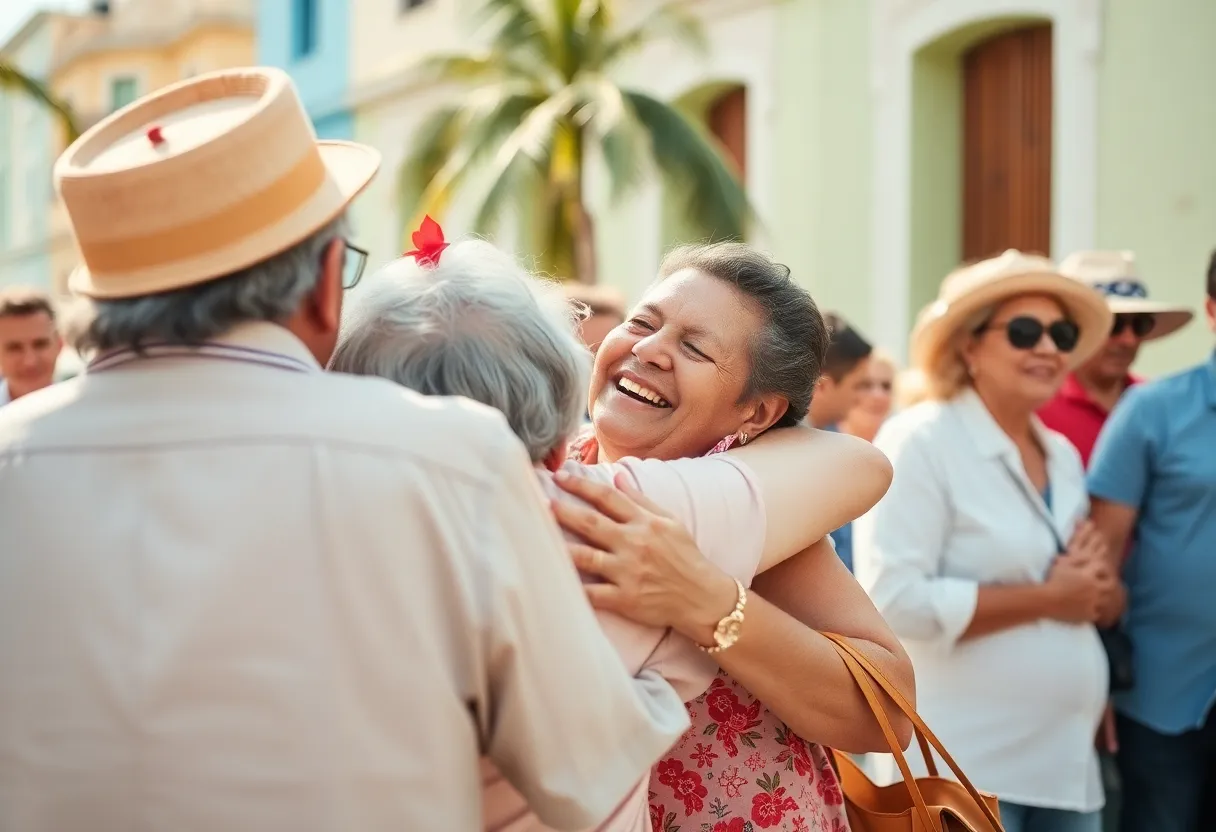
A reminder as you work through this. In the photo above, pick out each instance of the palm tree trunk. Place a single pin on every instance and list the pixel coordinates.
(582, 225)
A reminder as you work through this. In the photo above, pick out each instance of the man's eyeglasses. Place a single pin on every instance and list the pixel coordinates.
(352, 265)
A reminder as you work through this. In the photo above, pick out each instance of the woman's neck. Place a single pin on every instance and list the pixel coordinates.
(1014, 418)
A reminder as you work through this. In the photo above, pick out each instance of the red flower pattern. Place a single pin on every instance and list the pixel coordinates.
(785, 784)
(768, 809)
(829, 786)
(704, 755)
(685, 785)
(733, 825)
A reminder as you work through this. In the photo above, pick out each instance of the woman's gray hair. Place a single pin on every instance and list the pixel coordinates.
(271, 290)
(789, 350)
(476, 325)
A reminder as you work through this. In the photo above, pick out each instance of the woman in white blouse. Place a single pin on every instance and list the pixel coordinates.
(981, 556)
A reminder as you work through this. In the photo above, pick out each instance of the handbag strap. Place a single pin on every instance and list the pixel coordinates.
(864, 671)
(888, 731)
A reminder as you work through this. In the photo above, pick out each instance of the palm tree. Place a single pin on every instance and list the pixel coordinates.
(11, 78)
(531, 106)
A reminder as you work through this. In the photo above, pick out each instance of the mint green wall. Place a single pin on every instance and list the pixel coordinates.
(1157, 160)
(937, 171)
(821, 146)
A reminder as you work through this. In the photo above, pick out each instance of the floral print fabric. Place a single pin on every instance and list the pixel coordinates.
(740, 769)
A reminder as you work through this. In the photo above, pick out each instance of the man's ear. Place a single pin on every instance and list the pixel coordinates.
(326, 300)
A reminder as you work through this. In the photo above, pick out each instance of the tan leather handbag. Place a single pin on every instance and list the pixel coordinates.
(927, 804)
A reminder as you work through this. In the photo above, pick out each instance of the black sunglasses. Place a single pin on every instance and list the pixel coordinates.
(352, 265)
(1141, 324)
(1024, 333)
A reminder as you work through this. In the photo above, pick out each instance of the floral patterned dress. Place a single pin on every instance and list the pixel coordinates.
(738, 768)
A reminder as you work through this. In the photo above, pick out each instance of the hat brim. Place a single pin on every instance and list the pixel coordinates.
(350, 168)
(939, 325)
(1169, 317)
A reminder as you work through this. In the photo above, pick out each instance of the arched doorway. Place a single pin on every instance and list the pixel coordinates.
(1007, 146)
(722, 108)
(727, 120)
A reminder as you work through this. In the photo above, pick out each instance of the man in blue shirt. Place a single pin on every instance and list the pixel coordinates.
(1153, 481)
(846, 373)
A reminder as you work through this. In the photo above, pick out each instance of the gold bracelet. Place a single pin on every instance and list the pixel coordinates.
(727, 633)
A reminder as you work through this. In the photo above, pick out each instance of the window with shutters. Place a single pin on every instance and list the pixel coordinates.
(1007, 124)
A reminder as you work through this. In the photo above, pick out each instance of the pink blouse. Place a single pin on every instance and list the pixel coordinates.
(725, 774)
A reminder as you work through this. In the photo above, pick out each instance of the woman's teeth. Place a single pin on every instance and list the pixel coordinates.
(637, 391)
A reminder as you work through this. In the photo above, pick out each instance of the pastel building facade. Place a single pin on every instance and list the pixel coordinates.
(97, 61)
(311, 40)
(882, 142)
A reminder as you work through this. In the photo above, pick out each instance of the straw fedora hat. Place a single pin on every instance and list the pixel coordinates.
(200, 180)
(1113, 274)
(969, 291)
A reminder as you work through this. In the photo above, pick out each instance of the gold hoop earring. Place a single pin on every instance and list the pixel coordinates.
(743, 438)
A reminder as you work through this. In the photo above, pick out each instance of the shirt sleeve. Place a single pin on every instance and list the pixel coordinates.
(1121, 466)
(899, 544)
(568, 726)
(717, 499)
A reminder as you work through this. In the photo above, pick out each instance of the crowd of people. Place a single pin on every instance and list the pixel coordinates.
(454, 547)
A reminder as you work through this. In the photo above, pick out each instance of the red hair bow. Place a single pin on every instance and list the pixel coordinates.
(428, 243)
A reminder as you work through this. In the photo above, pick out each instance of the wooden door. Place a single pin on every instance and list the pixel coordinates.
(727, 120)
(1007, 144)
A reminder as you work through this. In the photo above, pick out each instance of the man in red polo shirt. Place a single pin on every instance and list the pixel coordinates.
(1090, 392)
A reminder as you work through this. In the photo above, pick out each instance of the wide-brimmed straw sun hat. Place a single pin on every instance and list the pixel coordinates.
(968, 292)
(200, 180)
(1113, 274)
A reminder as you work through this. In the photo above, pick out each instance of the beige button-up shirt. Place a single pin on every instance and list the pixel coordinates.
(238, 593)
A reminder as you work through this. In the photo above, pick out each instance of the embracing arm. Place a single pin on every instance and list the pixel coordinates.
(656, 575)
(812, 482)
(781, 655)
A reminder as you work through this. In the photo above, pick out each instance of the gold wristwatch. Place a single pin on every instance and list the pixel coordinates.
(731, 627)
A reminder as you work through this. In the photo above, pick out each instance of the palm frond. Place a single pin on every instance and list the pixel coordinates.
(455, 141)
(614, 126)
(687, 156)
(432, 144)
(11, 78)
(511, 182)
(517, 26)
(665, 23)
(530, 144)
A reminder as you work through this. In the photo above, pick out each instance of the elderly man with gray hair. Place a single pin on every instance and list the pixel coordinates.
(475, 324)
(283, 599)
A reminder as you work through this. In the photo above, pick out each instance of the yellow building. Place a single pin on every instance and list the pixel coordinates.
(124, 49)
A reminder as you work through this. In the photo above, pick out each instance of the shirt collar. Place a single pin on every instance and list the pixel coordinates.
(1072, 389)
(990, 441)
(253, 343)
(4, 396)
